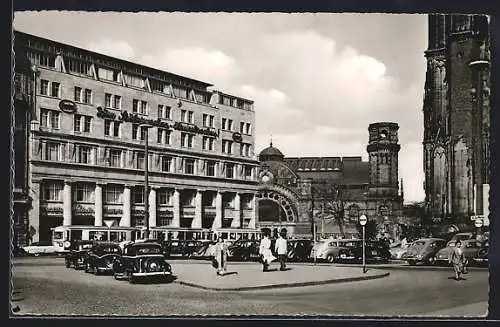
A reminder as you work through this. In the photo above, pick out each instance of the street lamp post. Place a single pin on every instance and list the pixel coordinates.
(146, 127)
(362, 222)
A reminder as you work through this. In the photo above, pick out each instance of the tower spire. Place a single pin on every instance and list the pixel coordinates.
(271, 140)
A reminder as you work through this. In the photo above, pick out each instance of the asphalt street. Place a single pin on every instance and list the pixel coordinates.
(51, 289)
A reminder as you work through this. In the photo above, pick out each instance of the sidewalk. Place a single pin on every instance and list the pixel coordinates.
(475, 310)
(251, 276)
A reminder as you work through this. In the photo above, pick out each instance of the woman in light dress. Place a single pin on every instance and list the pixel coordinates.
(265, 252)
(221, 256)
(458, 260)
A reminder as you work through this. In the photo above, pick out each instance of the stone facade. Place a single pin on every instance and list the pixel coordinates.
(457, 117)
(312, 190)
(86, 142)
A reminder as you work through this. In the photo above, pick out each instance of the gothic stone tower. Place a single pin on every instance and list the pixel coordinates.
(383, 192)
(455, 123)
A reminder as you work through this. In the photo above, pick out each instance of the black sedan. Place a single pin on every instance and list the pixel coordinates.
(299, 250)
(375, 251)
(244, 250)
(101, 257)
(77, 255)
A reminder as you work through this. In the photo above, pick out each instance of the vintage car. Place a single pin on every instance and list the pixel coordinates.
(299, 249)
(398, 251)
(101, 257)
(142, 260)
(39, 248)
(329, 250)
(482, 255)
(244, 250)
(470, 248)
(424, 251)
(183, 248)
(375, 251)
(77, 254)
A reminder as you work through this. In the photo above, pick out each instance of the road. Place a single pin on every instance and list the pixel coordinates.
(51, 289)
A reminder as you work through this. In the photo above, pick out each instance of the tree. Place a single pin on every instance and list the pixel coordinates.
(334, 207)
(370, 230)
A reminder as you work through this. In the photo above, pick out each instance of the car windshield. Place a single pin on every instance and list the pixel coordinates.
(418, 244)
(58, 235)
(461, 237)
(149, 250)
(107, 249)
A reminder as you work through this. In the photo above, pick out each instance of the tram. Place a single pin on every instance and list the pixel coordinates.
(203, 233)
(63, 235)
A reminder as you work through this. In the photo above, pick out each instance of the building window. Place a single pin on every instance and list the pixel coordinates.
(224, 123)
(88, 96)
(248, 172)
(164, 112)
(229, 124)
(163, 136)
(82, 124)
(135, 81)
(115, 158)
(187, 116)
(135, 132)
(117, 102)
(140, 107)
(83, 192)
(166, 163)
(112, 128)
(138, 194)
(208, 143)
(84, 154)
(51, 191)
(50, 118)
(113, 193)
(108, 74)
(208, 120)
(248, 128)
(187, 140)
(78, 94)
(112, 101)
(164, 196)
(242, 127)
(55, 90)
(227, 147)
(210, 168)
(53, 151)
(245, 150)
(78, 67)
(189, 166)
(139, 160)
(44, 87)
(229, 170)
(179, 92)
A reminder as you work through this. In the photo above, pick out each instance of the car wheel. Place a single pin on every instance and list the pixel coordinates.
(87, 267)
(412, 262)
(36, 254)
(131, 278)
(115, 275)
(67, 264)
(330, 258)
(95, 271)
(431, 260)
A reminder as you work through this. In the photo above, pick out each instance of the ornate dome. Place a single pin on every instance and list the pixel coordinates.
(271, 154)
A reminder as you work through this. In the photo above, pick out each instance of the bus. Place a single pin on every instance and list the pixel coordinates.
(63, 235)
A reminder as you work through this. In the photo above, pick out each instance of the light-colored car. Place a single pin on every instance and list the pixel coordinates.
(424, 251)
(39, 248)
(398, 251)
(329, 249)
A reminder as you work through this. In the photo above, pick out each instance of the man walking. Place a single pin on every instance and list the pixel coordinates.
(281, 249)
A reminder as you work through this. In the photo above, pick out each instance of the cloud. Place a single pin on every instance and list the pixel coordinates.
(208, 65)
(120, 49)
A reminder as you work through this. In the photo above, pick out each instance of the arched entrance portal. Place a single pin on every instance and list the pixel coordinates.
(275, 207)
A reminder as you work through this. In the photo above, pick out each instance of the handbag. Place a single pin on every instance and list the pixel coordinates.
(215, 263)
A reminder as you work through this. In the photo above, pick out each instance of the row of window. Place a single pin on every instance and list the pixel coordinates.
(80, 67)
(141, 107)
(85, 154)
(113, 194)
(83, 124)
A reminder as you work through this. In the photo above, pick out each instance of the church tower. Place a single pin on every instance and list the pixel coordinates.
(383, 149)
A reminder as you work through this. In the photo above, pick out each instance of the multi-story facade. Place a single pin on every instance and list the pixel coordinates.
(457, 117)
(85, 145)
(295, 192)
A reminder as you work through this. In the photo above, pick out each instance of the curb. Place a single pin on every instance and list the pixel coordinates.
(287, 285)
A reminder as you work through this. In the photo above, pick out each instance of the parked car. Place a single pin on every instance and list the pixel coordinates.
(470, 249)
(77, 254)
(398, 251)
(329, 250)
(482, 255)
(424, 251)
(101, 257)
(244, 250)
(299, 249)
(183, 248)
(201, 250)
(39, 248)
(18, 251)
(142, 260)
(463, 236)
(375, 251)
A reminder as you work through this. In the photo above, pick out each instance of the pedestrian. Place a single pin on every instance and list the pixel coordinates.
(281, 250)
(265, 251)
(220, 257)
(457, 259)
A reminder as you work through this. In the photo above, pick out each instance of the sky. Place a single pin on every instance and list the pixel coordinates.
(318, 80)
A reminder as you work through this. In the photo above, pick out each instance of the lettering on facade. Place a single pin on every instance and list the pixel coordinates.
(67, 106)
(113, 211)
(165, 213)
(237, 137)
(55, 211)
(195, 129)
(105, 113)
(83, 211)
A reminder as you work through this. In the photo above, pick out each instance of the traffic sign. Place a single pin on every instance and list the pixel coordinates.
(109, 222)
(478, 223)
(476, 217)
(362, 220)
